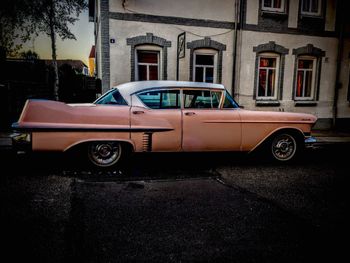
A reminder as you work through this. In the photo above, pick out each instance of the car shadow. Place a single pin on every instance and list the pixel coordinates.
(156, 165)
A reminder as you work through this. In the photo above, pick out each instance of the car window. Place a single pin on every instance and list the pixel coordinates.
(215, 97)
(112, 97)
(229, 102)
(161, 99)
(204, 99)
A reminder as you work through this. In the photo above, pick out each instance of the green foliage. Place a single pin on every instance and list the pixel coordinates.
(14, 26)
(21, 19)
(56, 15)
(29, 55)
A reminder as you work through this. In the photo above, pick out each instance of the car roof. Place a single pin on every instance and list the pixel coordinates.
(129, 88)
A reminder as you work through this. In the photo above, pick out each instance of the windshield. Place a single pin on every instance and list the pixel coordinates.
(229, 102)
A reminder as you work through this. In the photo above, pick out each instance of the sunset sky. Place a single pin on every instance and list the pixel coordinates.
(67, 49)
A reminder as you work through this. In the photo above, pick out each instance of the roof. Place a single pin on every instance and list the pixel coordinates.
(76, 64)
(129, 88)
(92, 52)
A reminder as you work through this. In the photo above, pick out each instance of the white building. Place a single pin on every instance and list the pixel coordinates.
(284, 56)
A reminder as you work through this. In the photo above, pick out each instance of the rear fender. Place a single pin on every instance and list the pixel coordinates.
(81, 142)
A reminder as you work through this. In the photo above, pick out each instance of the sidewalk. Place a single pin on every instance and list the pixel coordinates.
(322, 137)
(331, 136)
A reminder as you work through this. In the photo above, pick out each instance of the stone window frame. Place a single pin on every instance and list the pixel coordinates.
(308, 50)
(149, 39)
(207, 43)
(270, 47)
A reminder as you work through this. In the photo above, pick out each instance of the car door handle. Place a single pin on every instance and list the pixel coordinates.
(138, 112)
(190, 113)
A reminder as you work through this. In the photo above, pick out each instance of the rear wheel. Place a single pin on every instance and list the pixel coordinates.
(284, 147)
(104, 154)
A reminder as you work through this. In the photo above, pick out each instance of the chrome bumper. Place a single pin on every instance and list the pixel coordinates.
(310, 141)
(21, 142)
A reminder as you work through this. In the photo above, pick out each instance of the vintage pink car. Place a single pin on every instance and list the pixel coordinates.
(160, 116)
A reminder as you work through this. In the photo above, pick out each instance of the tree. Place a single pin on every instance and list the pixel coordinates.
(53, 18)
(29, 55)
(14, 26)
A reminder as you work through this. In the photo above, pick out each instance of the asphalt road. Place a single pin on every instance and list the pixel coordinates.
(176, 207)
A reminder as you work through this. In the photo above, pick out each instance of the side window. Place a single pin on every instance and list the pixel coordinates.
(161, 99)
(201, 99)
(112, 97)
(215, 98)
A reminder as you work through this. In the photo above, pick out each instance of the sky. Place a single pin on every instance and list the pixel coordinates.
(69, 48)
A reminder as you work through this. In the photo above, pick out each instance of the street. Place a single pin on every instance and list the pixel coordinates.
(176, 207)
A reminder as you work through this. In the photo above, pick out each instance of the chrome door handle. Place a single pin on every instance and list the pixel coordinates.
(190, 113)
(138, 112)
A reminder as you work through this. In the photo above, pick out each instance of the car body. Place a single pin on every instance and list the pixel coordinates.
(160, 116)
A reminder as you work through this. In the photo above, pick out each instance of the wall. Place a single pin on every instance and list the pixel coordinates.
(247, 71)
(224, 10)
(120, 51)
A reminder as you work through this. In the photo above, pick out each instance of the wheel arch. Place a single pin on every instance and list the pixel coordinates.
(290, 130)
(129, 144)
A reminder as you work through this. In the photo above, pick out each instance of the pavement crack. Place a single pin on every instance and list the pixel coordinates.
(267, 201)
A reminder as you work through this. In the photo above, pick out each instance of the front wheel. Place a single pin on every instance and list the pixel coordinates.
(104, 154)
(284, 147)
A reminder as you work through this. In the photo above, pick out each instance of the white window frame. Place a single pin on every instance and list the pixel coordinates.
(148, 48)
(309, 13)
(210, 52)
(277, 69)
(313, 83)
(272, 9)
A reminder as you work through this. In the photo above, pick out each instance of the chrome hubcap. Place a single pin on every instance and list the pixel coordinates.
(283, 147)
(104, 153)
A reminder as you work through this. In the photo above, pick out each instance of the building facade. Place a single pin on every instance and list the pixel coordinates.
(279, 55)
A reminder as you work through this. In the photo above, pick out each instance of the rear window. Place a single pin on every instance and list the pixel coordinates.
(161, 99)
(113, 97)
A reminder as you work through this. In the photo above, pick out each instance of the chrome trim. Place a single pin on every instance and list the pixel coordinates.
(29, 129)
(21, 142)
(309, 141)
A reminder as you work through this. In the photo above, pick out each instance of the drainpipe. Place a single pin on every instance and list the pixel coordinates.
(238, 19)
(234, 52)
(337, 85)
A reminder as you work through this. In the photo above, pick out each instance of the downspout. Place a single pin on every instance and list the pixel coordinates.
(238, 26)
(338, 84)
(234, 52)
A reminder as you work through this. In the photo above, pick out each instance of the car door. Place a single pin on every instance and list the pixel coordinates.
(155, 120)
(206, 127)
